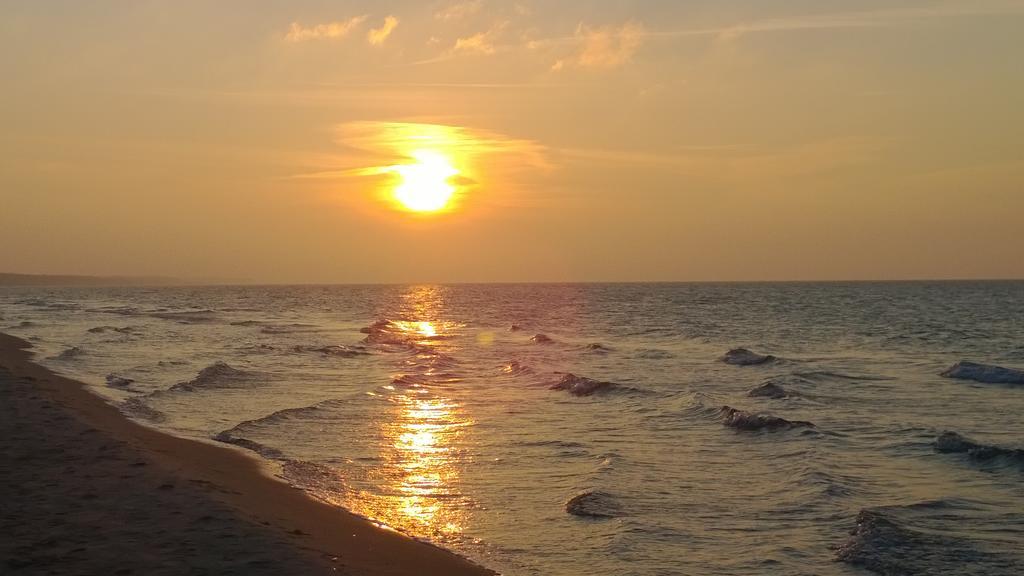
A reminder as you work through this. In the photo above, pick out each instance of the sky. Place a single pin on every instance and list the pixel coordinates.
(682, 140)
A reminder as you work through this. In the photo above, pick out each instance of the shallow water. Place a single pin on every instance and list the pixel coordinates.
(420, 407)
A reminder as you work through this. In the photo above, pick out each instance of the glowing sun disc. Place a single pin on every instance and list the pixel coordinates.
(424, 186)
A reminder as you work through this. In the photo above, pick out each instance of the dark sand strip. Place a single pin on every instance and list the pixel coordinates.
(86, 491)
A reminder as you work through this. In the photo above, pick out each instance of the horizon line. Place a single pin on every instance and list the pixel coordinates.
(174, 281)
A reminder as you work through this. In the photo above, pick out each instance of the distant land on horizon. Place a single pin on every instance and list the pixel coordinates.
(13, 279)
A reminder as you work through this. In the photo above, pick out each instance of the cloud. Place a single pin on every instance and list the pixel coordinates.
(377, 36)
(458, 11)
(881, 18)
(605, 47)
(339, 29)
(479, 42)
(374, 146)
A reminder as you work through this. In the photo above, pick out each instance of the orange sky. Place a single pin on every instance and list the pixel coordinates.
(594, 141)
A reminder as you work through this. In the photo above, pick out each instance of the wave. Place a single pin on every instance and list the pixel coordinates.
(750, 421)
(654, 354)
(219, 375)
(137, 407)
(236, 435)
(105, 329)
(269, 327)
(593, 504)
(515, 368)
(820, 375)
(261, 449)
(34, 302)
(288, 328)
(40, 303)
(121, 382)
(953, 443)
(118, 310)
(744, 357)
(311, 412)
(556, 443)
(425, 379)
(187, 316)
(769, 390)
(923, 539)
(258, 349)
(317, 479)
(581, 385)
(69, 354)
(829, 485)
(985, 373)
(387, 332)
(335, 350)
(432, 359)
(597, 347)
(541, 339)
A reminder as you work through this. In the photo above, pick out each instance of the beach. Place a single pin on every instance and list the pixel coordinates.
(91, 492)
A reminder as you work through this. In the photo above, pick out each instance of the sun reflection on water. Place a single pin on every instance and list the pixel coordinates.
(421, 435)
(423, 328)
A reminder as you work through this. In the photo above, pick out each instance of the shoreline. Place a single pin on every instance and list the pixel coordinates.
(328, 537)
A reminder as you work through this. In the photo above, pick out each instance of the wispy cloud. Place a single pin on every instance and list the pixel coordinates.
(393, 140)
(484, 158)
(329, 30)
(481, 42)
(605, 47)
(377, 36)
(882, 18)
(458, 10)
(476, 43)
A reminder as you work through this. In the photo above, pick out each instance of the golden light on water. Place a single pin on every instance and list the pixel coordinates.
(421, 433)
(420, 476)
(423, 455)
(422, 328)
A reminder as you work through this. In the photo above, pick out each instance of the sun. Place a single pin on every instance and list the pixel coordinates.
(425, 185)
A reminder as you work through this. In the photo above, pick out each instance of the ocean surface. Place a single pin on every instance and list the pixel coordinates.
(446, 412)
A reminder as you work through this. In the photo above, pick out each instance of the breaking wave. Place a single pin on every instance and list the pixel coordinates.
(926, 539)
(985, 373)
(516, 368)
(768, 390)
(953, 443)
(593, 504)
(744, 357)
(138, 408)
(238, 434)
(115, 381)
(581, 385)
(105, 329)
(750, 421)
(70, 353)
(334, 350)
(219, 375)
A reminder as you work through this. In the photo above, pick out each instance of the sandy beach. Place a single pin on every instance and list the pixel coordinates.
(91, 492)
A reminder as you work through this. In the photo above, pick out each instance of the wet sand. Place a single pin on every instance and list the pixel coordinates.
(87, 491)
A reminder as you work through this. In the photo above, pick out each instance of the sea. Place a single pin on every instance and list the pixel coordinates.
(581, 429)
